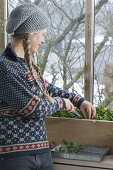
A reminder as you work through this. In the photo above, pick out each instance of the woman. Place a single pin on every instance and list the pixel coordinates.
(26, 98)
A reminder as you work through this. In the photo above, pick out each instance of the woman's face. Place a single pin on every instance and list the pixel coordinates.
(36, 39)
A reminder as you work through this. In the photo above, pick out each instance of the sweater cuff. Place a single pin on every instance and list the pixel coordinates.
(61, 102)
(77, 101)
(80, 102)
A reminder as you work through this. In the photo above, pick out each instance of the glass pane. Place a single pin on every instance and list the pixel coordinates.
(103, 58)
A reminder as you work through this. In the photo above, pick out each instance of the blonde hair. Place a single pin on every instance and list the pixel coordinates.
(32, 67)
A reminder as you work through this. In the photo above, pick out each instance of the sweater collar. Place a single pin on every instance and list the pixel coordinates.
(11, 53)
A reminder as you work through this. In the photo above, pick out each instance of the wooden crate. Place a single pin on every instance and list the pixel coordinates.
(89, 132)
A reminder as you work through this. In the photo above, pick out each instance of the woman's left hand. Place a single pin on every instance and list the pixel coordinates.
(88, 110)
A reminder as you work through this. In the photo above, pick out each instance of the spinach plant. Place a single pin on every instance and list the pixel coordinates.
(101, 114)
(71, 147)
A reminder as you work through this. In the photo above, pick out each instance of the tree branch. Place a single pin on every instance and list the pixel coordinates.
(54, 42)
(99, 48)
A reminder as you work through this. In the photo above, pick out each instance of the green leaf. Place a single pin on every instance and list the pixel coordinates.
(65, 142)
(72, 147)
(63, 149)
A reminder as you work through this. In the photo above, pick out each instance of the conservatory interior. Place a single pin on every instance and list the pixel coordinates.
(78, 57)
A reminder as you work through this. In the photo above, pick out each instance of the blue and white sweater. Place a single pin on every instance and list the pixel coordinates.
(23, 107)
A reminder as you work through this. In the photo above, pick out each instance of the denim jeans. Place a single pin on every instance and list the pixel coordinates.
(41, 161)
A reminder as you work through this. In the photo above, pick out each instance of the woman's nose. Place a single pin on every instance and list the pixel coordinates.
(43, 41)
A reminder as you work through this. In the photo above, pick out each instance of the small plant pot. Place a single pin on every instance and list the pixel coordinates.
(89, 153)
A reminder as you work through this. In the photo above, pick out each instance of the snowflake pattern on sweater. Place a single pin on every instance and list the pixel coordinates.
(23, 107)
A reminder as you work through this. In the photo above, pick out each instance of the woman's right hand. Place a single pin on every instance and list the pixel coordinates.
(69, 105)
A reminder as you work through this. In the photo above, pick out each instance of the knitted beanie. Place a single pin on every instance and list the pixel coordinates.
(26, 18)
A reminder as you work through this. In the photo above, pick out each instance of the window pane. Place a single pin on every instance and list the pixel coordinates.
(103, 59)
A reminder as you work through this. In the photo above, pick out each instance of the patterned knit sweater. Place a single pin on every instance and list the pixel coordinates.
(23, 107)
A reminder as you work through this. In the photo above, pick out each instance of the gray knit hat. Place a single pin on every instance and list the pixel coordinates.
(26, 18)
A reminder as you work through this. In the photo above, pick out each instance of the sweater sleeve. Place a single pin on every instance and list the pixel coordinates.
(18, 94)
(54, 91)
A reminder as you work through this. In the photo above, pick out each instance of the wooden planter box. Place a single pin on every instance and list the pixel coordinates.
(89, 132)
